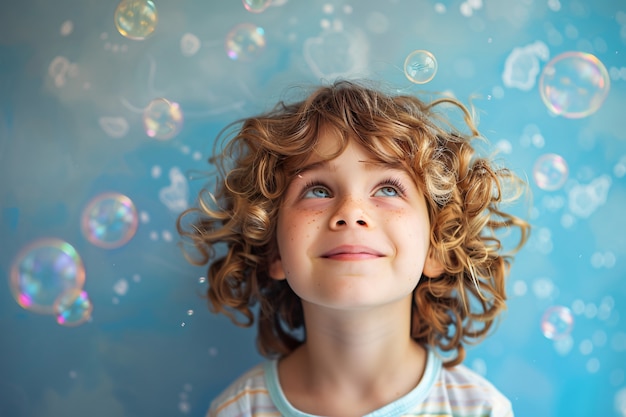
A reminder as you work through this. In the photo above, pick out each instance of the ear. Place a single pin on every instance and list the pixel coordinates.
(276, 270)
(432, 267)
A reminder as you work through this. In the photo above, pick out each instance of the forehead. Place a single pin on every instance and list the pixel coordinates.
(374, 152)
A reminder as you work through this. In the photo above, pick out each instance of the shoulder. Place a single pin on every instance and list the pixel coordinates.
(245, 396)
(465, 389)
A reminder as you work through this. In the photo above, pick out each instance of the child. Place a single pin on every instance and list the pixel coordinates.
(364, 226)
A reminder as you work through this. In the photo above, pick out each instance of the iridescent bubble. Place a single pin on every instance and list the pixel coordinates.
(135, 19)
(574, 84)
(162, 119)
(557, 322)
(245, 42)
(73, 307)
(43, 271)
(256, 6)
(109, 220)
(420, 66)
(550, 172)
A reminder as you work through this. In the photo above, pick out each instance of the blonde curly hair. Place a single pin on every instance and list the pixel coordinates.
(234, 228)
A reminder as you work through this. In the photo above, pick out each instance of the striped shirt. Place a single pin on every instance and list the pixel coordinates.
(442, 392)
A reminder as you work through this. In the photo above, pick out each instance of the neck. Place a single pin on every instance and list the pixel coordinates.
(365, 356)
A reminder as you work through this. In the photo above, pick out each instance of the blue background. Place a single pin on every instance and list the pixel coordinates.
(143, 353)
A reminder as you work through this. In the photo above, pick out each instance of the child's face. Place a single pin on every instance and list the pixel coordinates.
(352, 233)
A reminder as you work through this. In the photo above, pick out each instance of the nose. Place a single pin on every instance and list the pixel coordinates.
(349, 213)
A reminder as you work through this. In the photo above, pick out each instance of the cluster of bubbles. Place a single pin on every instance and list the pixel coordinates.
(137, 20)
(48, 275)
(574, 84)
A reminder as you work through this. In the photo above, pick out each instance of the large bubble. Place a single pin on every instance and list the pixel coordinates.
(245, 42)
(135, 19)
(43, 271)
(574, 84)
(550, 172)
(420, 66)
(162, 119)
(109, 220)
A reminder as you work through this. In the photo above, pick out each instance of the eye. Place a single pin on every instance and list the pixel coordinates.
(386, 191)
(390, 188)
(316, 191)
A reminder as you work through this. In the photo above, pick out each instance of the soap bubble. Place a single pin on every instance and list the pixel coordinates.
(162, 119)
(73, 307)
(420, 66)
(256, 6)
(557, 322)
(43, 271)
(135, 19)
(109, 220)
(245, 42)
(574, 84)
(550, 172)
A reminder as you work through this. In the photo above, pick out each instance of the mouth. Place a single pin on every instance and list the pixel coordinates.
(352, 252)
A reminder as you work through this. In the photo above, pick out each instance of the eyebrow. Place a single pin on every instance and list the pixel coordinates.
(369, 163)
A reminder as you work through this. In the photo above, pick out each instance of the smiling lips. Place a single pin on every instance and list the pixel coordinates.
(352, 253)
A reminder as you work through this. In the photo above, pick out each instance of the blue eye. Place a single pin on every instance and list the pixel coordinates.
(317, 191)
(387, 191)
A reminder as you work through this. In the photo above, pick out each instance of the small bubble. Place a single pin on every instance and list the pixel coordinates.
(557, 322)
(564, 345)
(420, 66)
(109, 220)
(245, 42)
(586, 347)
(593, 365)
(519, 288)
(67, 27)
(136, 19)
(167, 235)
(599, 338)
(184, 407)
(162, 119)
(190, 312)
(550, 171)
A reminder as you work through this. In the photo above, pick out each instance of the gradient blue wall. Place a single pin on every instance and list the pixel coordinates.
(72, 93)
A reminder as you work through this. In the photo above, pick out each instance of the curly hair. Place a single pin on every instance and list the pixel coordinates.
(464, 193)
